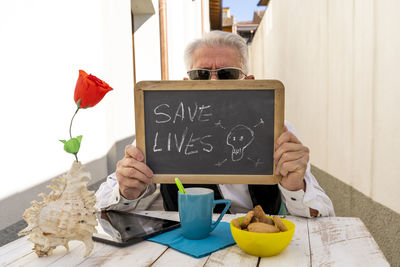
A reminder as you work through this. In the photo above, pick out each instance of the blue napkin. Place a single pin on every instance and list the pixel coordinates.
(218, 239)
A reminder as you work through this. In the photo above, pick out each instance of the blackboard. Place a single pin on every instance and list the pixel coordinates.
(209, 132)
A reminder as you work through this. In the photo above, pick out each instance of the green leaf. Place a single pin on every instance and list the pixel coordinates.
(72, 145)
(63, 141)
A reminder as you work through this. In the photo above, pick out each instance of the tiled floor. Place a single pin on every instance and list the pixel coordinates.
(11, 232)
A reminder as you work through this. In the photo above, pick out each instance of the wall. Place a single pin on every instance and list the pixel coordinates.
(180, 34)
(339, 62)
(43, 45)
(183, 26)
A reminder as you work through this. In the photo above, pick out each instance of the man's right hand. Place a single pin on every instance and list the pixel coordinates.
(132, 173)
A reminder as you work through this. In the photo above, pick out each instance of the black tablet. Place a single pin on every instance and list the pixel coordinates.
(123, 229)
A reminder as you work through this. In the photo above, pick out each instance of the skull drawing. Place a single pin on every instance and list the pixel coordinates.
(239, 138)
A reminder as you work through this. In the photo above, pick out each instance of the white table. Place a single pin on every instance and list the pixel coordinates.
(335, 241)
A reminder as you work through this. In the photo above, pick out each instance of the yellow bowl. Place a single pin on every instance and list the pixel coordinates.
(263, 244)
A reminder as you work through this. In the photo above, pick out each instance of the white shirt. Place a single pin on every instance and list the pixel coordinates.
(297, 202)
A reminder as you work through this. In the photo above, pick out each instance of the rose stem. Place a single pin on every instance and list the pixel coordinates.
(70, 126)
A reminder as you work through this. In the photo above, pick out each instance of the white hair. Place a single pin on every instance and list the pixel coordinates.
(216, 39)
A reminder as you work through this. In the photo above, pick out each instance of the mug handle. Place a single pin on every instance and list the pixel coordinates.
(227, 203)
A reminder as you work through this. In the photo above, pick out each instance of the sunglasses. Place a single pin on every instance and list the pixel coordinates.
(229, 73)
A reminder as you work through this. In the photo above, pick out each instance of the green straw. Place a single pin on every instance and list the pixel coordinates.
(179, 185)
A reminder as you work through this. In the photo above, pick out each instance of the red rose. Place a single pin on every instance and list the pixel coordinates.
(89, 90)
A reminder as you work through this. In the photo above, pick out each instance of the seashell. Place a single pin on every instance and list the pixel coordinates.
(66, 213)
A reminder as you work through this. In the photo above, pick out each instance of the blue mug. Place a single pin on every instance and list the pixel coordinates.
(195, 212)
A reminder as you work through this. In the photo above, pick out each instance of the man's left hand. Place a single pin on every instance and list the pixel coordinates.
(291, 159)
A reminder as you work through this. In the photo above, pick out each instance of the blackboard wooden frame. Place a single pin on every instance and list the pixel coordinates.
(279, 101)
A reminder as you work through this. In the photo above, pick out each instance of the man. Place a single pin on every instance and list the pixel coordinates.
(221, 55)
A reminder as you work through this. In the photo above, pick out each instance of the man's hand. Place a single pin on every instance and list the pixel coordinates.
(290, 159)
(132, 173)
